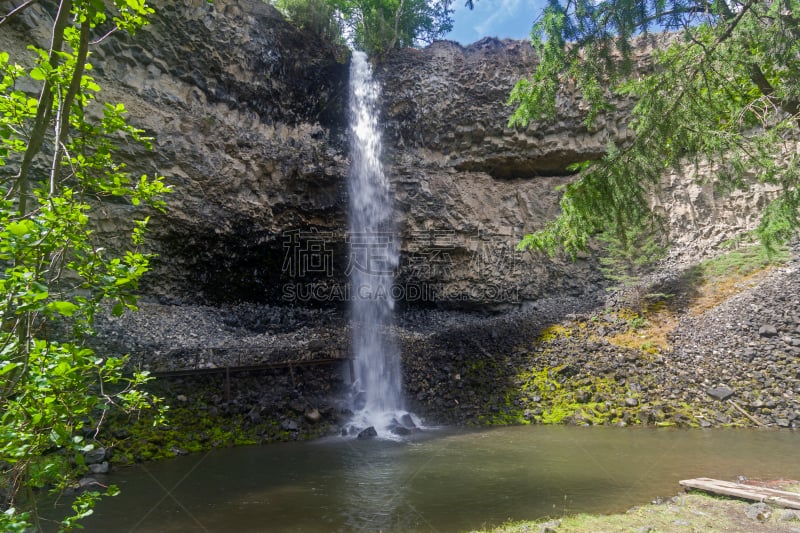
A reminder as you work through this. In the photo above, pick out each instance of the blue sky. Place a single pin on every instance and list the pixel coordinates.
(494, 18)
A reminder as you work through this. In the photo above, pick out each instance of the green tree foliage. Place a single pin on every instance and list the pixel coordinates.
(722, 87)
(317, 16)
(57, 163)
(374, 26)
(629, 255)
(377, 26)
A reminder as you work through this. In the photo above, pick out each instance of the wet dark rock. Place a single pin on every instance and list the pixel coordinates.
(289, 425)
(720, 393)
(367, 433)
(407, 421)
(767, 331)
(98, 455)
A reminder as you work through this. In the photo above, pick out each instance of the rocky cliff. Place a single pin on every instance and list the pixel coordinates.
(250, 119)
(249, 116)
(249, 122)
(468, 187)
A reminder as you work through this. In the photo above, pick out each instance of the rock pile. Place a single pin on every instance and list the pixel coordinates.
(736, 364)
(747, 350)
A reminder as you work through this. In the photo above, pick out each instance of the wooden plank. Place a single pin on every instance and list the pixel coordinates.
(780, 498)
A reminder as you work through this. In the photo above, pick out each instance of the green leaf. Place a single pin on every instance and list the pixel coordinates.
(63, 307)
(61, 369)
(38, 74)
(21, 228)
(8, 366)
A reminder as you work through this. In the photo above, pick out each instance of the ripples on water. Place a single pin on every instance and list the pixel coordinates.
(440, 481)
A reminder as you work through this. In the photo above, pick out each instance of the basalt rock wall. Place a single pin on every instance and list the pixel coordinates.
(250, 120)
(468, 186)
(249, 115)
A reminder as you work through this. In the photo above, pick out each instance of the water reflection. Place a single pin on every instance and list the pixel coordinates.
(376, 478)
(441, 482)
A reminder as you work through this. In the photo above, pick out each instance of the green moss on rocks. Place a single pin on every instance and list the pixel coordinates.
(205, 414)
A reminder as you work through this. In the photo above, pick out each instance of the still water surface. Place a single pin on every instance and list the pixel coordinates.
(442, 480)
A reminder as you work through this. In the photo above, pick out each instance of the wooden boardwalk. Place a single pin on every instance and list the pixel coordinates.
(780, 498)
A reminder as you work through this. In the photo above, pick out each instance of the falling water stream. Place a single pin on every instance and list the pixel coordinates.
(377, 399)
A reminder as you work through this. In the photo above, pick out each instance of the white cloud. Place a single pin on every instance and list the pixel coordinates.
(494, 18)
(500, 16)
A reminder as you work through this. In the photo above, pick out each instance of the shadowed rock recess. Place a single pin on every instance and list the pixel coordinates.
(249, 116)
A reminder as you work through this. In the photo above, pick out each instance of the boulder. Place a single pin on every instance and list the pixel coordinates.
(720, 393)
(768, 330)
(759, 512)
(367, 433)
(313, 416)
(95, 456)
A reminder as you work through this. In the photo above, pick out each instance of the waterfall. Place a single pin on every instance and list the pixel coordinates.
(377, 399)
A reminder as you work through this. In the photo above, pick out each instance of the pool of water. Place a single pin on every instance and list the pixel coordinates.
(441, 480)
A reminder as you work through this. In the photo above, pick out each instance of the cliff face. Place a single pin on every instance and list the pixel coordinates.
(250, 117)
(446, 104)
(463, 177)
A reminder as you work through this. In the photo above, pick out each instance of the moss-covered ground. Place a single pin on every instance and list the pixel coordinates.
(692, 512)
(201, 416)
(595, 370)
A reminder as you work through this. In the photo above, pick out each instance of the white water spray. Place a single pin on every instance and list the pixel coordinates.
(378, 399)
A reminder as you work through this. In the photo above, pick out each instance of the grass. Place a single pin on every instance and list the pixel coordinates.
(687, 512)
(706, 286)
(558, 397)
(721, 277)
(743, 261)
(649, 336)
